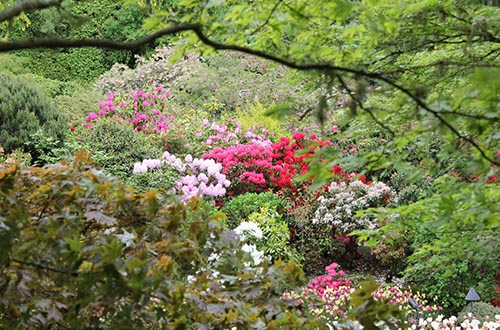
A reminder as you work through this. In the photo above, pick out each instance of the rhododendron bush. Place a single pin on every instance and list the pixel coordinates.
(145, 111)
(341, 200)
(198, 177)
(260, 165)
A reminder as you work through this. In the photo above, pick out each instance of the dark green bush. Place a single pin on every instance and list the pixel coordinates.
(110, 20)
(117, 147)
(238, 209)
(24, 110)
(451, 287)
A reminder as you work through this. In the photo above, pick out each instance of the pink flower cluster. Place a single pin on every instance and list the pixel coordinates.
(334, 290)
(249, 164)
(144, 111)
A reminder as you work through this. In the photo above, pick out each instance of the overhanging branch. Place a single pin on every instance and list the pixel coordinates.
(98, 43)
(26, 5)
(198, 30)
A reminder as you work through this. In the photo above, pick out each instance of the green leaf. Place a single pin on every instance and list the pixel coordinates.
(279, 112)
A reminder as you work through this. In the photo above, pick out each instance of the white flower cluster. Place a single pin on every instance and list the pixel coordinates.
(338, 206)
(246, 231)
(246, 228)
(469, 323)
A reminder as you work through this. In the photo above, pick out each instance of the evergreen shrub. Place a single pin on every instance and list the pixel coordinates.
(24, 110)
(117, 147)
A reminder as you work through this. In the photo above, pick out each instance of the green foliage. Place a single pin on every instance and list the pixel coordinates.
(117, 147)
(453, 237)
(239, 208)
(49, 150)
(480, 310)
(10, 63)
(80, 249)
(77, 101)
(52, 88)
(251, 114)
(450, 286)
(24, 110)
(275, 234)
(80, 20)
(162, 179)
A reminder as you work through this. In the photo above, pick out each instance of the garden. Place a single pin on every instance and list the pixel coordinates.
(214, 181)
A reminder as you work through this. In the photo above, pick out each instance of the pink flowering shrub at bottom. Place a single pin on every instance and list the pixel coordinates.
(333, 291)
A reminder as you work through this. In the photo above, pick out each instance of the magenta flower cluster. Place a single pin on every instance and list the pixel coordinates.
(143, 110)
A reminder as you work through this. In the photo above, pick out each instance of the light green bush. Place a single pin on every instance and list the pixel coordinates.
(239, 208)
(275, 234)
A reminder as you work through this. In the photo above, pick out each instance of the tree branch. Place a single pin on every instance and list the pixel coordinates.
(98, 43)
(359, 102)
(26, 5)
(42, 267)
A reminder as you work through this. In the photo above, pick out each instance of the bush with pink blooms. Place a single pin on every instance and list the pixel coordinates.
(261, 166)
(334, 289)
(144, 111)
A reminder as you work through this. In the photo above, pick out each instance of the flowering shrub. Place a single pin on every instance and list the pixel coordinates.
(259, 166)
(337, 207)
(199, 177)
(334, 291)
(145, 111)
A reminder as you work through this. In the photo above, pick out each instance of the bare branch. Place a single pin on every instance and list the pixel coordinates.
(98, 43)
(26, 5)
